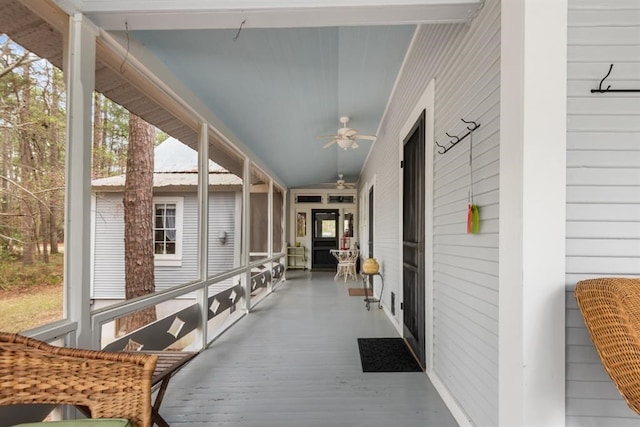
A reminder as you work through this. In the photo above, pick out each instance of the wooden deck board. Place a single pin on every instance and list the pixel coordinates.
(294, 361)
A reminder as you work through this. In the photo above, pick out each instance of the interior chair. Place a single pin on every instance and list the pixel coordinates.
(611, 311)
(347, 264)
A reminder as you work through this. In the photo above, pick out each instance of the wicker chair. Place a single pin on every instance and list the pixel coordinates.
(110, 385)
(611, 310)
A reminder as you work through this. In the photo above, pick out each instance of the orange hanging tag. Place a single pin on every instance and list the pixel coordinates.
(469, 219)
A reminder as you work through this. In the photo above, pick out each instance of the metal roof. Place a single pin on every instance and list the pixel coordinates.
(175, 165)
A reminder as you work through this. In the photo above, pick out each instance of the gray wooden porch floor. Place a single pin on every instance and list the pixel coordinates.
(294, 361)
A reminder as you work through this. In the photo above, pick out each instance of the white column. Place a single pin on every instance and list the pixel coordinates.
(80, 80)
(246, 233)
(203, 232)
(532, 213)
(270, 207)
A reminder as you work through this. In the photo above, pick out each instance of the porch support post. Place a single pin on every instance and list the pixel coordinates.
(80, 79)
(533, 118)
(246, 233)
(270, 230)
(203, 233)
(270, 219)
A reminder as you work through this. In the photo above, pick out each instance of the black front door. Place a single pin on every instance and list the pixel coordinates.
(324, 238)
(413, 276)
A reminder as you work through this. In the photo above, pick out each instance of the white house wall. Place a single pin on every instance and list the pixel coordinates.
(464, 60)
(108, 274)
(222, 218)
(603, 187)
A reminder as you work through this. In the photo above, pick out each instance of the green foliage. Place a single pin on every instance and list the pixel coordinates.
(32, 141)
(111, 135)
(160, 137)
(16, 276)
(32, 150)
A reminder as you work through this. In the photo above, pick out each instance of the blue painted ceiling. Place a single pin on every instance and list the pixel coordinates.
(278, 89)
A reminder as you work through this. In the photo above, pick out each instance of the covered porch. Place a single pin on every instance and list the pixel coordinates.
(556, 185)
(471, 340)
(294, 361)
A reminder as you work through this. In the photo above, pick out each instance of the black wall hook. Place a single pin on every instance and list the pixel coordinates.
(474, 125)
(455, 139)
(608, 89)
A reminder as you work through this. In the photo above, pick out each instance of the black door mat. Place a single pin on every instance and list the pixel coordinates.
(386, 355)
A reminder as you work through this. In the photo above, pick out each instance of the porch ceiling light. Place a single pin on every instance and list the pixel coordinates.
(345, 143)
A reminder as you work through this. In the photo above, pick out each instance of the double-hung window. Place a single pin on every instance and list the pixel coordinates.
(167, 230)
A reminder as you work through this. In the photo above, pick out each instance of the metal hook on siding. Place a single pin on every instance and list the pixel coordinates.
(608, 89)
(456, 139)
(475, 125)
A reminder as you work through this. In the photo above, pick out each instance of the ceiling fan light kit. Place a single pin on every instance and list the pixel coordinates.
(341, 184)
(346, 137)
(345, 143)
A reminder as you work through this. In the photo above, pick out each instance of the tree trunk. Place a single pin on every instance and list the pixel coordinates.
(26, 172)
(4, 189)
(56, 136)
(44, 231)
(138, 220)
(53, 230)
(105, 163)
(96, 170)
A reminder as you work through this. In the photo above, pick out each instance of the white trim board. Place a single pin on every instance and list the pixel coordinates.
(426, 103)
(456, 410)
(532, 213)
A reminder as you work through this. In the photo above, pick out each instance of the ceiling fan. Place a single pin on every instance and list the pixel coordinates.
(346, 137)
(342, 185)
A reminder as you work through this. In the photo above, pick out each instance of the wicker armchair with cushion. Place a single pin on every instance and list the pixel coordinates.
(109, 385)
(611, 311)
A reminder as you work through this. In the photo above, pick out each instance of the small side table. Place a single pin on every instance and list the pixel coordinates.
(369, 299)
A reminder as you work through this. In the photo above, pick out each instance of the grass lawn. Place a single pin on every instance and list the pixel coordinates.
(27, 309)
(30, 296)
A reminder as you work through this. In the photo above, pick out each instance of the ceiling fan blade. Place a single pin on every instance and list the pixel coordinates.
(350, 133)
(327, 136)
(328, 144)
(368, 137)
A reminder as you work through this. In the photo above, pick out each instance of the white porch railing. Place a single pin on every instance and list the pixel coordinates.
(265, 277)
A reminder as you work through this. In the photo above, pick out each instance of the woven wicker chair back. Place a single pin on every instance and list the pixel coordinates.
(111, 385)
(611, 311)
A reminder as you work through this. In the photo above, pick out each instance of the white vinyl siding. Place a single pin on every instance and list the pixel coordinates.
(222, 212)
(108, 244)
(464, 60)
(108, 277)
(603, 187)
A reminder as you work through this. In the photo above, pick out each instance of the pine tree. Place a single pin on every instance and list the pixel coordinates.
(138, 220)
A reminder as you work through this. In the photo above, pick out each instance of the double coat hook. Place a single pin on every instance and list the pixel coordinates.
(456, 139)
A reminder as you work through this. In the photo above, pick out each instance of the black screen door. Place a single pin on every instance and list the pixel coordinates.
(370, 233)
(413, 239)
